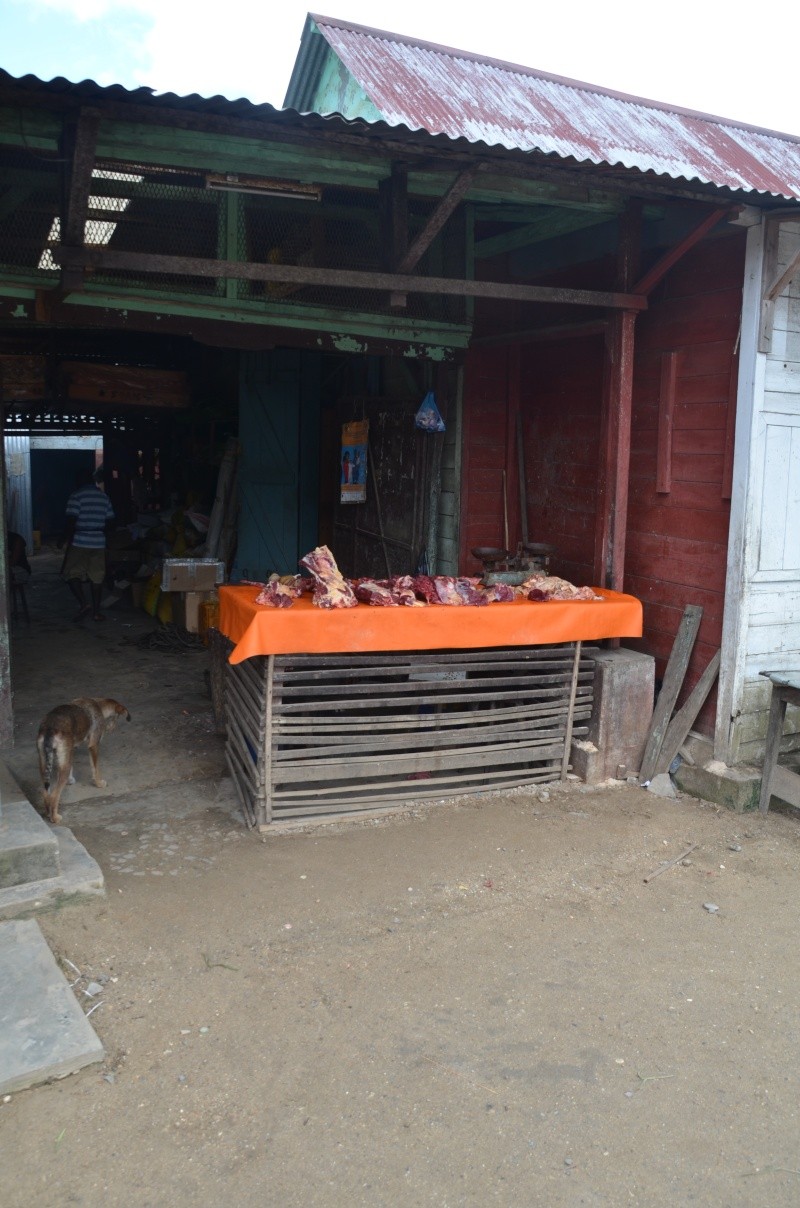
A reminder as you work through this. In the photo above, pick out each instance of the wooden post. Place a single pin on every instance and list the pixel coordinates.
(612, 511)
(611, 531)
(265, 809)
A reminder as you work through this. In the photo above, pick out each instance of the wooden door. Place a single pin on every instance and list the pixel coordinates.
(279, 465)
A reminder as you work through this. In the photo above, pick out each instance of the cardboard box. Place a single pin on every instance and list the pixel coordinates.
(186, 609)
(191, 574)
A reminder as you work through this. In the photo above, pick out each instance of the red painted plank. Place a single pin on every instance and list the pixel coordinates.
(678, 522)
(698, 440)
(703, 359)
(730, 429)
(700, 496)
(666, 414)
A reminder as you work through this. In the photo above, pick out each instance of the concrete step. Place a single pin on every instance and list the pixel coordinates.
(80, 879)
(44, 1033)
(28, 847)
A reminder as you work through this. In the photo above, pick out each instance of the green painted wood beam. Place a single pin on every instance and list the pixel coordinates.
(312, 318)
(549, 226)
(30, 128)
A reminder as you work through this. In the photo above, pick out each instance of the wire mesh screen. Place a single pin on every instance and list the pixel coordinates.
(165, 212)
(30, 200)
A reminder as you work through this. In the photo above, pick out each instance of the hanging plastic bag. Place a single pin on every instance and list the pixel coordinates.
(429, 417)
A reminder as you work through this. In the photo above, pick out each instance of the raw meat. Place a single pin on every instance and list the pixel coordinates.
(459, 591)
(551, 587)
(331, 589)
(280, 593)
(499, 593)
(425, 588)
(372, 591)
(402, 588)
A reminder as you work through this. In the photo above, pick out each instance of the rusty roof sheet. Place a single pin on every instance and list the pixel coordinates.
(444, 91)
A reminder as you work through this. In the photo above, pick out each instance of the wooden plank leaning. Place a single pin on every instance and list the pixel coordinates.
(684, 719)
(673, 678)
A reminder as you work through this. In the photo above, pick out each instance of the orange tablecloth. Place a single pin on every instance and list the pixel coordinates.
(306, 629)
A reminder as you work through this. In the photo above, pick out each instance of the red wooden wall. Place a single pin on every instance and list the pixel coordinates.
(677, 536)
(557, 387)
(682, 434)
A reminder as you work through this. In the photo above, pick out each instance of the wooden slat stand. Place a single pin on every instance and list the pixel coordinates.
(777, 781)
(313, 736)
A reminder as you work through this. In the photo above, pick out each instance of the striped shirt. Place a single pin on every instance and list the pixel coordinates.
(92, 510)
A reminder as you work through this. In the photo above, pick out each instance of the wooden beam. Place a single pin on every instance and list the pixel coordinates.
(548, 226)
(730, 427)
(684, 719)
(660, 269)
(458, 190)
(394, 193)
(666, 415)
(782, 280)
(84, 142)
(670, 687)
(621, 332)
(80, 142)
(190, 266)
(542, 335)
(769, 267)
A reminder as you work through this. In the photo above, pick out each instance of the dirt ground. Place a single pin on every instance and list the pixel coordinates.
(477, 1001)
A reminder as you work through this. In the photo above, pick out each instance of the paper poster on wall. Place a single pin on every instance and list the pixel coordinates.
(353, 461)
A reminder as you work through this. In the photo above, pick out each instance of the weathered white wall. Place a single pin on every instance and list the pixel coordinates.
(762, 610)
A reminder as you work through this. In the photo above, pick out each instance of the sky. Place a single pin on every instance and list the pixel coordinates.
(719, 58)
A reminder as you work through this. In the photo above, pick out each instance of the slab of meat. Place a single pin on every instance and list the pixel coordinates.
(425, 588)
(459, 591)
(551, 587)
(373, 591)
(280, 593)
(402, 588)
(499, 593)
(331, 589)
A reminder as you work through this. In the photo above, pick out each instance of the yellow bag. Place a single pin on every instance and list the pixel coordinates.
(152, 591)
(164, 610)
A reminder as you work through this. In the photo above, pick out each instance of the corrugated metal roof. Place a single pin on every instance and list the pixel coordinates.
(445, 91)
(215, 106)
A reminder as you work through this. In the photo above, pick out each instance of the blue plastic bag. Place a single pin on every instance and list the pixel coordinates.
(429, 417)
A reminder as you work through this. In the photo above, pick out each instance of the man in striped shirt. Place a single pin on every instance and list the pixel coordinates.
(90, 518)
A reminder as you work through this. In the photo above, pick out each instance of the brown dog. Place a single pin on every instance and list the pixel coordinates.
(82, 720)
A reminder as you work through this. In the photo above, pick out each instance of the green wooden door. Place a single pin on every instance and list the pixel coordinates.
(279, 467)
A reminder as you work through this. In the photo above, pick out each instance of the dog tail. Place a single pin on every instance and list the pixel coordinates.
(47, 754)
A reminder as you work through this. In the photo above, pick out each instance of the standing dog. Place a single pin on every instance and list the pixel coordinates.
(82, 720)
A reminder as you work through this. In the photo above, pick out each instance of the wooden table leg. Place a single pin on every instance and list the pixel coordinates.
(573, 689)
(264, 817)
(777, 712)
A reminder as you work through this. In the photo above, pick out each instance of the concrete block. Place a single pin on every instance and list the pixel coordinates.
(80, 880)
(738, 788)
(43, 1031)
(624, 688)
(28, 847)
(28, 850)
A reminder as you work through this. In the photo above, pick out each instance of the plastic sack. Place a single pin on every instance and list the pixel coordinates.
(152, 591)
(429, 417)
